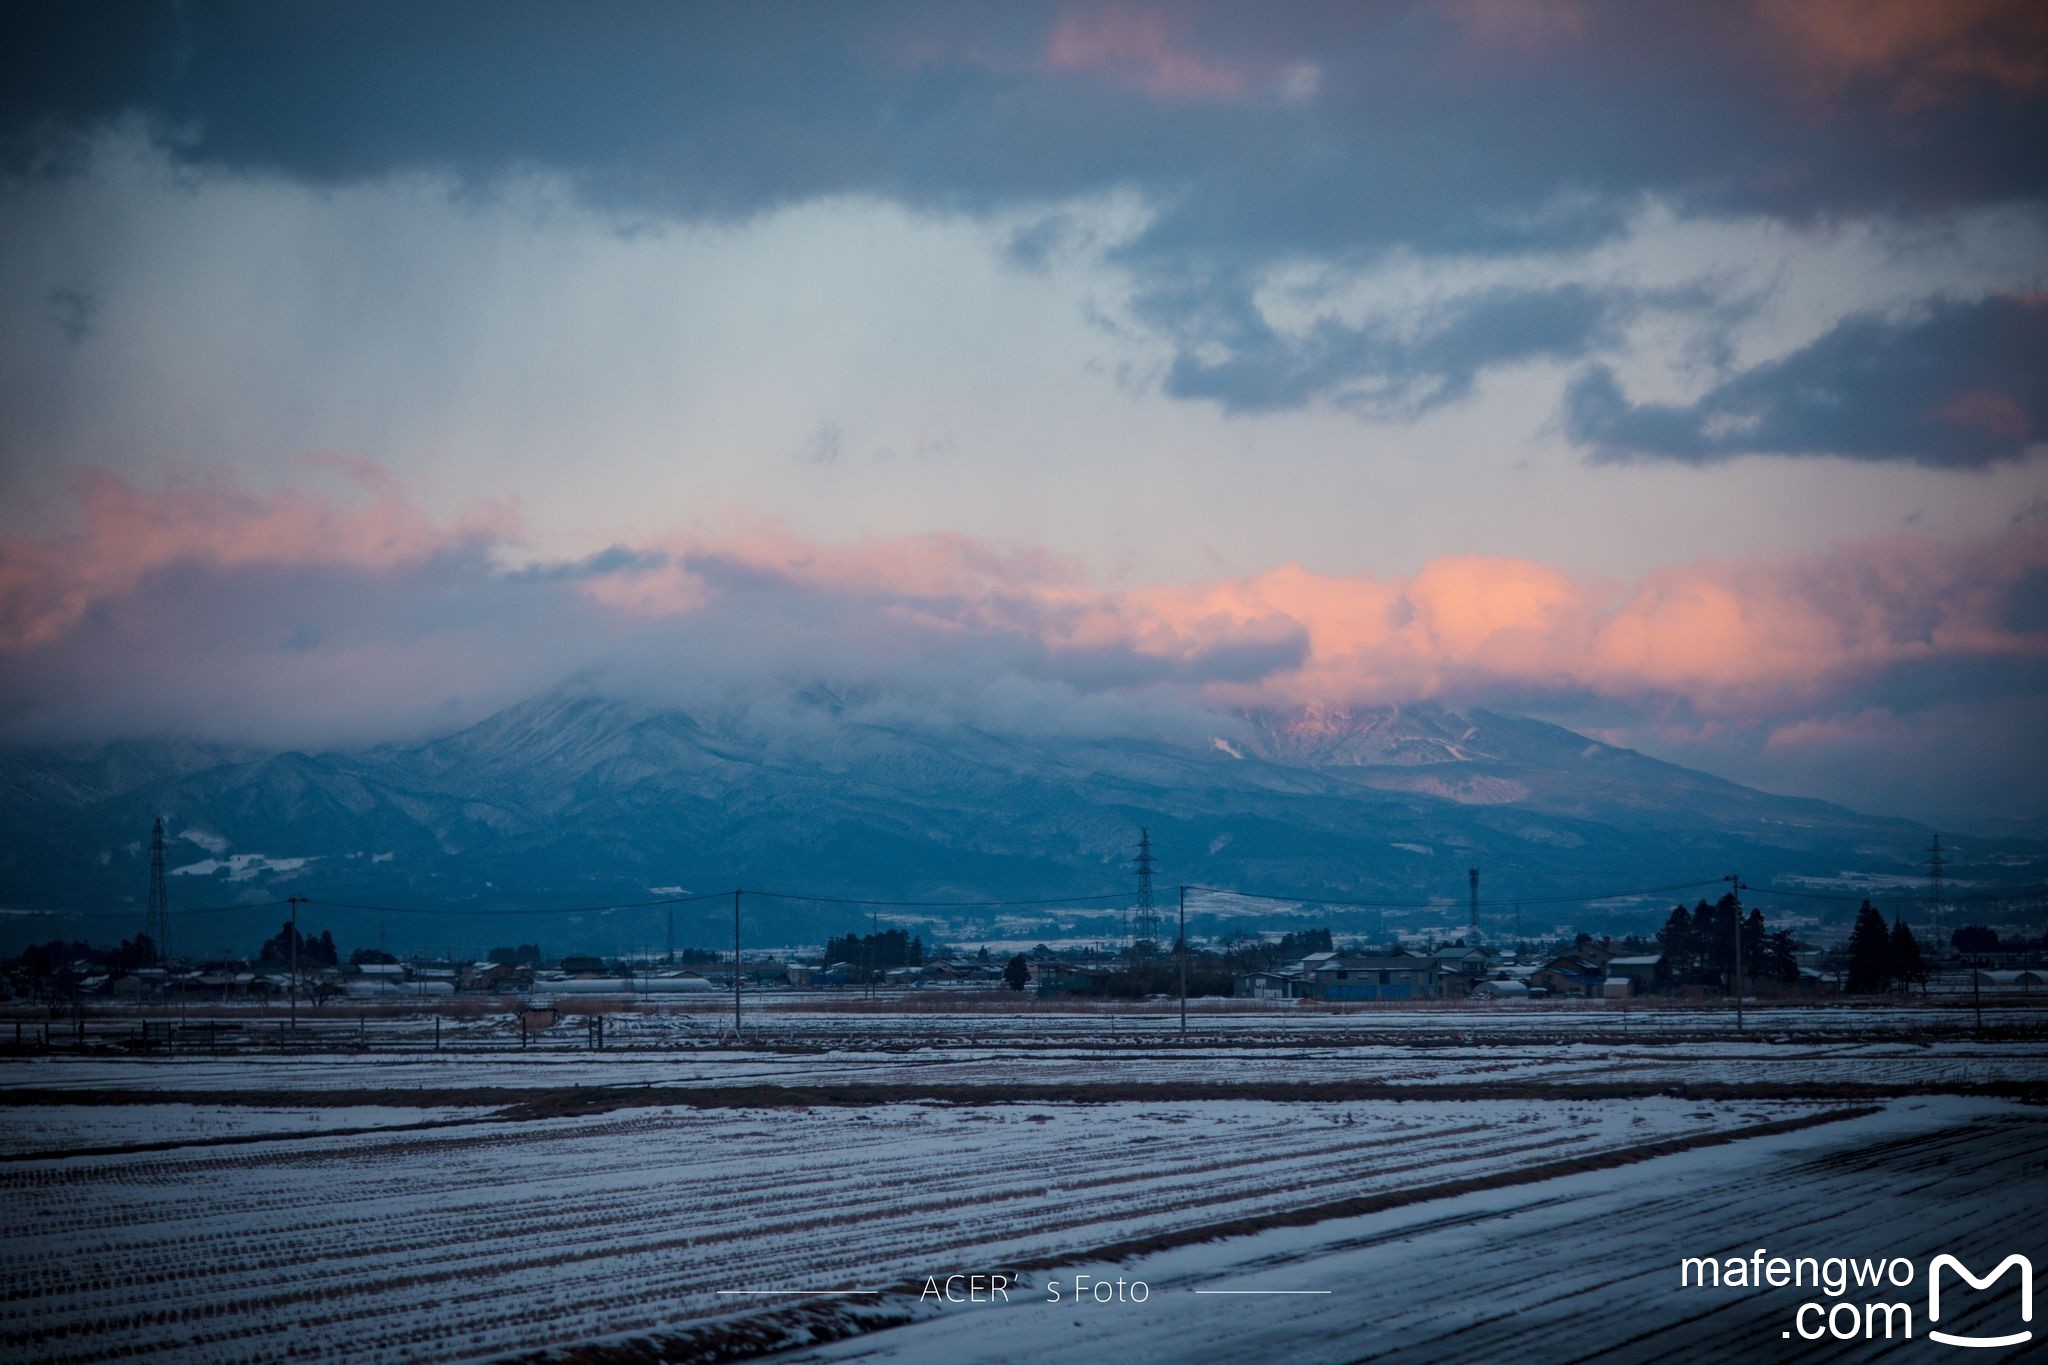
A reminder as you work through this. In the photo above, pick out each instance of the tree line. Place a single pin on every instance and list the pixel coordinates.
(870, 955)
(1699, 945)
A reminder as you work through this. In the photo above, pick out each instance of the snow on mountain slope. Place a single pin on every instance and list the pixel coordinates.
(573, 798)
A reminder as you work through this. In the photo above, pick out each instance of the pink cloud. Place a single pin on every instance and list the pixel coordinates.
(1143, 49)
(1784, 641)
(113, 534)
(1924, 52)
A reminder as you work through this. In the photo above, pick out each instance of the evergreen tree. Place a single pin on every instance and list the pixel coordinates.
(1779, 962)
(1713, 937)
(1908, 968)
(1675, 941)
(1870, 953)
(1017, 973)
(1705, 926)
(1755, 947)
(1974, 938)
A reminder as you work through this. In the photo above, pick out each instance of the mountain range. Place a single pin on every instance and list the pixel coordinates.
(574, 798)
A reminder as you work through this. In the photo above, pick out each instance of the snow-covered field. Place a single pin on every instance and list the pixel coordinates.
(1457, 1187)
(1581, 1267)
(490, 1237)
(47, 1128)
(1471, 1062)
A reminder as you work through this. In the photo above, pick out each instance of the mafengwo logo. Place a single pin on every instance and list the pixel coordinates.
(2015, 1261)
(1853, 1317)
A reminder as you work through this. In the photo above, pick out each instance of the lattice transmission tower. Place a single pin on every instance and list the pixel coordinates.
(158, 926)
(1937, 866)
(1147, 927)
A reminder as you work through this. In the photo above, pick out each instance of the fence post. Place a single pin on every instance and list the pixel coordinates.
(437, 1033)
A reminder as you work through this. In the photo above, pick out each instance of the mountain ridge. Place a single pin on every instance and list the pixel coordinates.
(576, 797)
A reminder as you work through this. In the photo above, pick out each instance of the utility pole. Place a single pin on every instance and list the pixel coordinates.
(736, 963)
(294, 902)
(671, 936)
(1183, 961)
(1472, 876)
(1734, 880)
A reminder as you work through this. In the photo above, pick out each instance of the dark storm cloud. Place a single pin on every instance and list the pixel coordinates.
(1257, 134)
(1962, 385)
(1378, 367)
(1423, 125)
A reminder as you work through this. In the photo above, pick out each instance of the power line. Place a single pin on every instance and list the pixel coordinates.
(520, 910)
(937, 905)
(1445, 904)
(1989, 894)
(179, 912)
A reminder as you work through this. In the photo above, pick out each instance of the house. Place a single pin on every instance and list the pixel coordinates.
(1056, 978)
(1571, 974)
(1348, 976)
(1279, 984)
(1459, 969)
(1643, 972)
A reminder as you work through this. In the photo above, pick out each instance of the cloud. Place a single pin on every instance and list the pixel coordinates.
(1246, 366)
(1923, 54)
(1141, 47)
(1954, 385)
(1272, 131)
(298, 617)
(111, 536)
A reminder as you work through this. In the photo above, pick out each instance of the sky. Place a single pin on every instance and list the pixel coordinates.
(1676, 372)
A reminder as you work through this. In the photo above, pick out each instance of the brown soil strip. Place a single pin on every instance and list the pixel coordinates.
(514, 1102)
(239, 1139)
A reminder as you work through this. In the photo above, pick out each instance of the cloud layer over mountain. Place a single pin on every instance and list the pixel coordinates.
(301, 617)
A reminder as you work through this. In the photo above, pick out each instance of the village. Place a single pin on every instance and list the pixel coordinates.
(1261, 971)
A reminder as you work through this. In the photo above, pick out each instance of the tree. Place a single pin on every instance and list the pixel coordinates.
(1870, 953)
(1755, 946)
(1779, 961)
(1908, 967)
(1713, 938)
(279, 947)
(1676, 942)
(1017, 974)
(1974, 938)
(139, 951)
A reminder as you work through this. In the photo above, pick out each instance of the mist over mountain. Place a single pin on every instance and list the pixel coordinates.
(576, 798)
